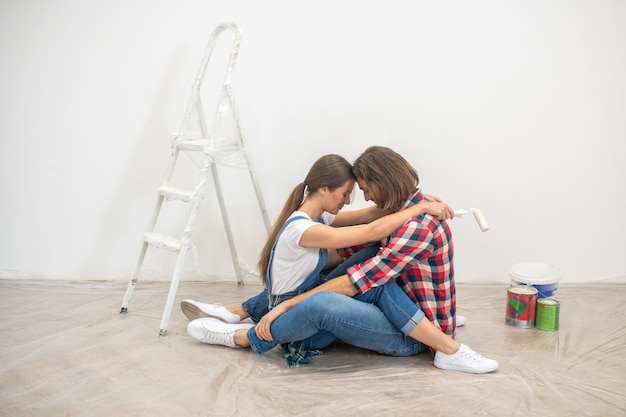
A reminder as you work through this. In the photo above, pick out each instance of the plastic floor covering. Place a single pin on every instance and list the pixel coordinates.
(66, 351)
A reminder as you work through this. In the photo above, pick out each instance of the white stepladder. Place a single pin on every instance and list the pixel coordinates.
(223, 144)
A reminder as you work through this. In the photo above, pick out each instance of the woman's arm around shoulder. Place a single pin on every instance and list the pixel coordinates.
(322, 236)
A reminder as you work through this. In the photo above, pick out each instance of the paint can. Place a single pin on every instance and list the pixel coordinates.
(547, 317)
(544, 277)
(521, 305)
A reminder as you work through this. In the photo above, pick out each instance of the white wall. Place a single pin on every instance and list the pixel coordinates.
(514, 107)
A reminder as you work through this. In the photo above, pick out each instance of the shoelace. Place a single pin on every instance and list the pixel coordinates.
(472, 355)
(219, 335)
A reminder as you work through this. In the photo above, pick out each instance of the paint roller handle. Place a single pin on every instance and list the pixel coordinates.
(460, 213)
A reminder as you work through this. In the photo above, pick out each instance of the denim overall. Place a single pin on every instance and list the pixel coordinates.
(294, 352)
(309, 283)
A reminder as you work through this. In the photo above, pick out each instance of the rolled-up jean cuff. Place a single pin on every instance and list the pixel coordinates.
(412, 323)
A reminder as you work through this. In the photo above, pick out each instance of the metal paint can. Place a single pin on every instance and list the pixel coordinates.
(547, 314)
(521, 305)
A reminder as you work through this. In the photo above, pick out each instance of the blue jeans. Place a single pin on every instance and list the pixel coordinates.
(355, 320)
(258, 306)
(324, 316)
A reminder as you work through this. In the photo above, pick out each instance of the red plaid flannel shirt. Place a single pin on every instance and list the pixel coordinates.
(419, 256)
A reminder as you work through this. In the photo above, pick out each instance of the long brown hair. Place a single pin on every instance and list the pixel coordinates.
(394, 177)
(330, 171)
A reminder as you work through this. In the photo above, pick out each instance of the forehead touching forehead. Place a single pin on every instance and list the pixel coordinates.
(346, 186)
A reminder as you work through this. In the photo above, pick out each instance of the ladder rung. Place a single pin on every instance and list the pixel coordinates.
(219, 146)
(173, 193)
(224, 154)
(162, 241)
(193, 145)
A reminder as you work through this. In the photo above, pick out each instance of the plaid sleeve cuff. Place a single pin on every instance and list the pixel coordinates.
(360, 279)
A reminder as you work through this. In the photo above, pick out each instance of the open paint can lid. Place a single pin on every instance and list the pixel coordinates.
(531, 273)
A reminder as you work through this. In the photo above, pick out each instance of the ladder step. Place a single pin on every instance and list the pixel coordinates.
(220, 151)
(219, 145)
(193, 145)
(173, 193)
(162, 241)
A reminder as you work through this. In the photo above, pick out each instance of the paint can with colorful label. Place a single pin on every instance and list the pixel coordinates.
(521, 306)
(547, 314)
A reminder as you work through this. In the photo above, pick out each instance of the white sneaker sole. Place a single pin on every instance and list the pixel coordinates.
(484, 370)
(192, 312)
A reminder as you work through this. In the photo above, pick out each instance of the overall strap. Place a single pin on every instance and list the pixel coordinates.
(268, 281)
(312, 279)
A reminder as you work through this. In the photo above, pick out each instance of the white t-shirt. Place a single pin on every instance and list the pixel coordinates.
(292, 264)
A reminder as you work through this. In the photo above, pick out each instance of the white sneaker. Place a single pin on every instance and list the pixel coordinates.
(465, 360)
(195, 310)
(460, 320)
(215, 332)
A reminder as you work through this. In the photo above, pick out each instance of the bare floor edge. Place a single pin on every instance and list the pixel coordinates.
(66, 351)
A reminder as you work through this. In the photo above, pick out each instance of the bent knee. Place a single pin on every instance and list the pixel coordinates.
(323, 300)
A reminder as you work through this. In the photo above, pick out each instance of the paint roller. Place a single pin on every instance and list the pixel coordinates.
(478, 215)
